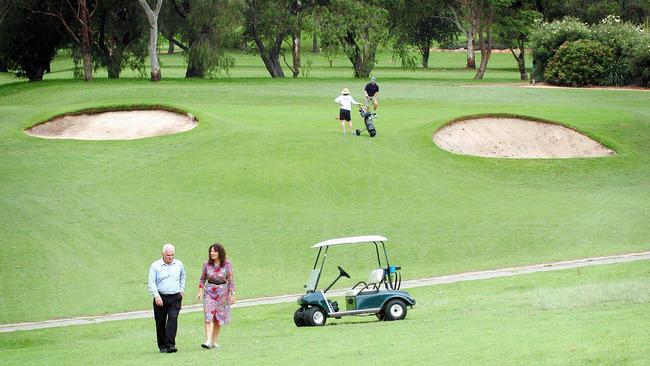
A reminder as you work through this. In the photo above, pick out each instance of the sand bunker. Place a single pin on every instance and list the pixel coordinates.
(516, 138)
(122, 125)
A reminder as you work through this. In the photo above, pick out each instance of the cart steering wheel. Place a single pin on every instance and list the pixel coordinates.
(343, 273)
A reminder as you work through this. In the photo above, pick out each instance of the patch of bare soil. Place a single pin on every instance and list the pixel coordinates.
(516, 138)
(118, 125)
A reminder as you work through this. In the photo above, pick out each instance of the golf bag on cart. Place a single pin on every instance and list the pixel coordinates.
(368, 121)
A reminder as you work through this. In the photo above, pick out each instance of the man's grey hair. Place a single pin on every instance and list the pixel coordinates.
(168, 247)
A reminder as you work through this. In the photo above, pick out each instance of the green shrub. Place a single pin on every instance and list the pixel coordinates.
(624, 39)
(548, 37)
(579, 63)
(641, 66)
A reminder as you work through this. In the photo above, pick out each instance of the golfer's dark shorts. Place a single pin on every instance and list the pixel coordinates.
(344, 115)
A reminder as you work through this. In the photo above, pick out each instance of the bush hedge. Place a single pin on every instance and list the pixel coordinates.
(627, 43)
(579, 63)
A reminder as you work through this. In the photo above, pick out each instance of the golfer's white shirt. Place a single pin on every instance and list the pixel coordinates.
(346, 102)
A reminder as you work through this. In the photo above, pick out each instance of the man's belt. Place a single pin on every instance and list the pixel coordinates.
(216, 282)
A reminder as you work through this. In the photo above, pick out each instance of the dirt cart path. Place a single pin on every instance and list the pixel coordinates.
(467, 276)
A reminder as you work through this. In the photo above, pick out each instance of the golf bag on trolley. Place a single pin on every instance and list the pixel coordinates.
(368, 121)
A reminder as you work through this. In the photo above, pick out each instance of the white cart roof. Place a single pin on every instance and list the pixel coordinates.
(350, 240)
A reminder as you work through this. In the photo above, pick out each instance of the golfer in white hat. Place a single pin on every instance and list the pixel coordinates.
(345, 100)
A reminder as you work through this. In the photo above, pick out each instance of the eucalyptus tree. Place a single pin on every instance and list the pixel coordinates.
(201, 28)
(481, 15)
(268, 23)
(419, 23)
(76, 19)
(119, 32)
(460, 16)
(513, 28)
(357, 28)
(28, 40)
(152, 19)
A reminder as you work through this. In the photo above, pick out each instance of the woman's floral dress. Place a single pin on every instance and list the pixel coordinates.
(215, 297)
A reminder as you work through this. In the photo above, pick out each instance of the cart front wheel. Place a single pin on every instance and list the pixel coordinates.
(395, 310)
(298, 318)
(315, 317)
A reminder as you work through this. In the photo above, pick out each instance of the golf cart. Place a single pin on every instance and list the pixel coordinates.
(368, 119)
(379, 296)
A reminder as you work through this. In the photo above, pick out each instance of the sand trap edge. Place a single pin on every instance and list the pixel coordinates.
(515, 116)
(108, 109)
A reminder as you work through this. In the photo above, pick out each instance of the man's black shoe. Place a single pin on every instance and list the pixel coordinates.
(171, 350)
(163, 350)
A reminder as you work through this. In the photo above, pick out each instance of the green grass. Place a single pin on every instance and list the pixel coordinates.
(443, 66)
(587, 316)
(268, 174)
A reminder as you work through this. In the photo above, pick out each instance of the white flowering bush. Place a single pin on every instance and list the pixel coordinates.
(625, 39)
(548, 37)
(626, 42)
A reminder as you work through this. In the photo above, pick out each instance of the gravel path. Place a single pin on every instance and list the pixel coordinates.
(467, 276)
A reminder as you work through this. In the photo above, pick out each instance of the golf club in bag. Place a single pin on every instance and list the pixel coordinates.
(368, 121)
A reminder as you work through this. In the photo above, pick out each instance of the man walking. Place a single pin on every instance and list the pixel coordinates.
(167, 286)
(371, 92)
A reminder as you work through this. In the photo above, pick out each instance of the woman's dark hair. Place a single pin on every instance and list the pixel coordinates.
(222, 254)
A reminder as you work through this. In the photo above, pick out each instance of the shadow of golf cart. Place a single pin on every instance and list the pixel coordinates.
(379, 296)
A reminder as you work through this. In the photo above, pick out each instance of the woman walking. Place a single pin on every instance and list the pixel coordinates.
(217, 288)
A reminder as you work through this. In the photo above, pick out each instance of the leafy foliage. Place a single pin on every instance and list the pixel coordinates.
(579, 63)
(357, 28)
(624, 40)
(28, 42)
(204, 27)
(548, 37)
(417, 24)
(641, 66)
(120, 31)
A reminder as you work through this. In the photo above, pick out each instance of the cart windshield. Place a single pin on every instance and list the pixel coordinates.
(312, 280)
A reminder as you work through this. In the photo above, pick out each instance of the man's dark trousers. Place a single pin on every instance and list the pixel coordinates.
(166, 320)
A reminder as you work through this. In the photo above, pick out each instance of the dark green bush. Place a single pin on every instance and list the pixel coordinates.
(548, 37)
(641, 66)
(626, 42)
(579, 63)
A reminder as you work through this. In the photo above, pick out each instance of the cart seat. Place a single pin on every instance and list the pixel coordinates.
(375, 280)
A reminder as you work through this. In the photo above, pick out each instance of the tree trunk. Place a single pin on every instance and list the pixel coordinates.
(521, 61)
(152, 18)
(362, 60)
(425, 57)
(471, 62)
(3, 66)
(314, 43)
(36, 73)
(86, 45)
(363, 63)
(295, 52)
(486, 52)
(170, 48)
(194, 69)
(113, 67)
(272, 58)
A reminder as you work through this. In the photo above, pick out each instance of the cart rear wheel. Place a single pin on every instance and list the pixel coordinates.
(395, 310)
(315, 316)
